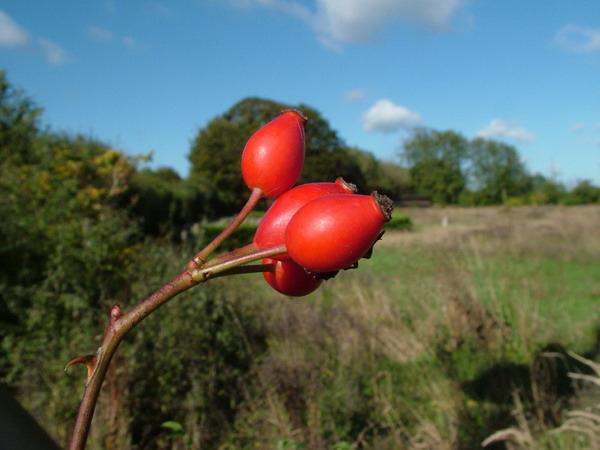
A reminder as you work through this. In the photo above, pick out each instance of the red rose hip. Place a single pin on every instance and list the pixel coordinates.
(333, 232)
(274, 155)
(271, 230)
(289, 278)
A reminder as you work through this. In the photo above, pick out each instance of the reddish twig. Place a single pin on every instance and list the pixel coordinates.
(122, 322)
(200, 258)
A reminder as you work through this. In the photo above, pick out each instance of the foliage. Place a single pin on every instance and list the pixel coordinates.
(162, 201)
(545, 191)
(453, 170)
(242, 236)
(386, 177)
(497, 171)
(437, 179)
(18, 123)
(399, 221)
(427, 145)
(583, 193)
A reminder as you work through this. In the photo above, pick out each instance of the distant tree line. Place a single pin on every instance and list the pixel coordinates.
(443, 166)
(451, 169)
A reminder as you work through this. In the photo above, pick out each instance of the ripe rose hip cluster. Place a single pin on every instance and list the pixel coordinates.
(324, 227)
(309, 233)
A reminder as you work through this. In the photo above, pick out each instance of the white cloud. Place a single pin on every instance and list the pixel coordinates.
(499, 128)
(355, 95)
(11, 33)
(53, 52)
(354, 21)
(351, 21)
(578, 39)
(386, 117)
(100, 34)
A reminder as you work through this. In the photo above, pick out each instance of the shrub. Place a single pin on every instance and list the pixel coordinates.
(400, 221)
(242, 236)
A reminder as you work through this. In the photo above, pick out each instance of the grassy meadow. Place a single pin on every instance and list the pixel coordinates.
(453, 332)
(450, 333)
(437, 339)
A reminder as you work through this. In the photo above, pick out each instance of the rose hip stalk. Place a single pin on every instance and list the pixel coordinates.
(333, 232)
(271, 163)
(289, 278)
(271, 230)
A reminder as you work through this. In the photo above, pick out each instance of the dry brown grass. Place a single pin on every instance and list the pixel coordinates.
(548, 231)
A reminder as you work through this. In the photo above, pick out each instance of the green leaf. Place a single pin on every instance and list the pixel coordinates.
(174, 427)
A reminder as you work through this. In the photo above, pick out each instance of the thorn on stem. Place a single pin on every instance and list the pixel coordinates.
(115, 314)
(88, 360)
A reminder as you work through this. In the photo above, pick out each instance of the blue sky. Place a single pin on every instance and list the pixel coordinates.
(145, 75)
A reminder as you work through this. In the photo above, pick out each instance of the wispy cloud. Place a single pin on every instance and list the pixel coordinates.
(498, 128)
(578, 39)
(339, 22)
(104, 35)
(53, 52)
(11, 33)
(100, 34)
(386, 117)
(355, 95)
(358, 21)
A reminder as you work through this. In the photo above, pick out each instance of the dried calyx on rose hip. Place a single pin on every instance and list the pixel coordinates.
(333, 232)
(289, 278)
(271, 230)
(274, 155)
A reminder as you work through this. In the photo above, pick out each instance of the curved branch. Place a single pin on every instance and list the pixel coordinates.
(121, 323)
(200, 258)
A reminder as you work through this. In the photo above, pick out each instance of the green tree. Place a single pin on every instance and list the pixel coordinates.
(18, 123)
(437, 161)
(433, 145)
(546, 190)
(161, 199)
(438, 179)
(584, 192)
(382, 176)
(497, 171)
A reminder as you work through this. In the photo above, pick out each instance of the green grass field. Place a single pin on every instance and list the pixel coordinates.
(435, 340)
